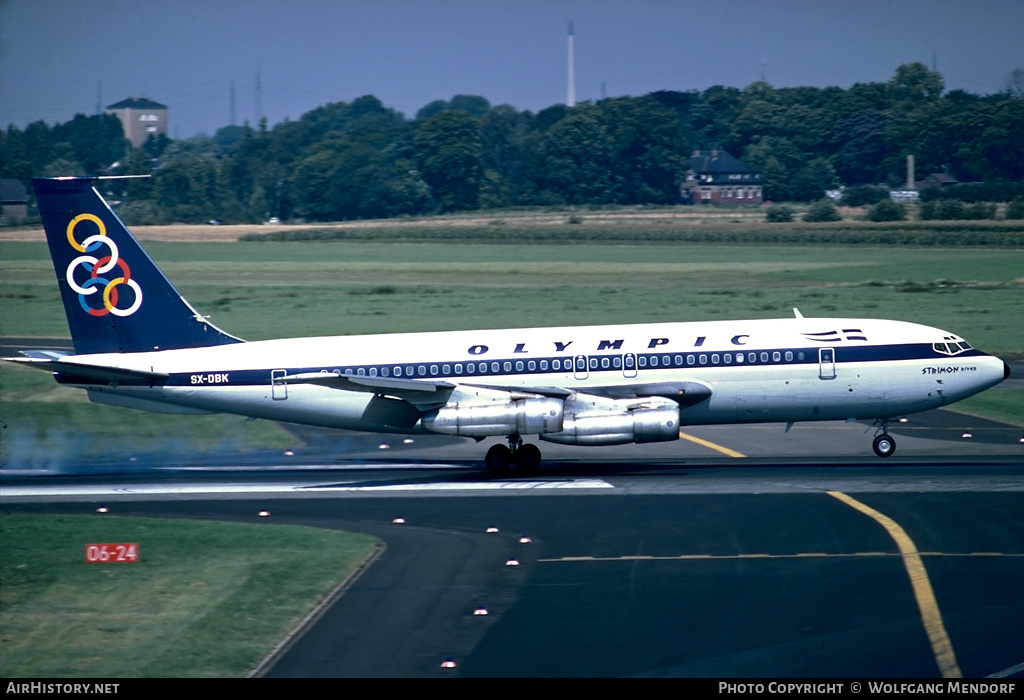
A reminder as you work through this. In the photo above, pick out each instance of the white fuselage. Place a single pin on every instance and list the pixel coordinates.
(800, 369)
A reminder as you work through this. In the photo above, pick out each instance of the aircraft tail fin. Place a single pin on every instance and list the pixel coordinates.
(115, 297)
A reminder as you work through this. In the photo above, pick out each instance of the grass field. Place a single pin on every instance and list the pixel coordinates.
(263, 289)
(205, 599)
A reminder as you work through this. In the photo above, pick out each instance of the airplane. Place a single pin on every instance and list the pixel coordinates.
(139, 344)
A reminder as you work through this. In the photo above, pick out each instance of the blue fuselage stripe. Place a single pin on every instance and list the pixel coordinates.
(475, 369)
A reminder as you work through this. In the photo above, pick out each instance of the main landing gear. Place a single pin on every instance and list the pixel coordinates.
(525, 457)
(884, 444)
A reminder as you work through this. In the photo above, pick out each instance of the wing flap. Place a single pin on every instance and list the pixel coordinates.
(683, 393)
(424, 395)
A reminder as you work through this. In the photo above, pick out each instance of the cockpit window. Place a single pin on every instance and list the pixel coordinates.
(951, 348)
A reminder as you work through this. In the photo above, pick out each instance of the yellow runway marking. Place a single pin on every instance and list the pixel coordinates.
(942, 647)
(705, 443)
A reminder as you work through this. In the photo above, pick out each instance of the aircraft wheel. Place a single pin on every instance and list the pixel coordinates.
(498, 459)
(528, 459)
(884, 445)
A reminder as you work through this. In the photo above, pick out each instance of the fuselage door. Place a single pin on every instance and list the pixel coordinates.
(579, 368)
(278, 387)
(827, 363)
(629, 365)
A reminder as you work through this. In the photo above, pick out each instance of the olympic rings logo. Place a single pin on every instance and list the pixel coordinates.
(97, 267)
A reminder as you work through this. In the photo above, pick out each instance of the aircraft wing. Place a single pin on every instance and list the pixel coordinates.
(424, 395)
(683, 393)
(82, 373)
(427, 395)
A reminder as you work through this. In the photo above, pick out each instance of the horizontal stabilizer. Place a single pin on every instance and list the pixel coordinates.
(43, 354)
(70, 372)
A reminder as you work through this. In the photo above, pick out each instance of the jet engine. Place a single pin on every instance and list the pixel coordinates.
(598, 421)
(477, 412)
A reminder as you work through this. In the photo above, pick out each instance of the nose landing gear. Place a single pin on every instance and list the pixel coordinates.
(884, 444)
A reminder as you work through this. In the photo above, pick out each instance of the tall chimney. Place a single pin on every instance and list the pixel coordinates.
(911, 181)
(570, 99)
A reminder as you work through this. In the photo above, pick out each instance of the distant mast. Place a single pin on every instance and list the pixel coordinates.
(570, 99)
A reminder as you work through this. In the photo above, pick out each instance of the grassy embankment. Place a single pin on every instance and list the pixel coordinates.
(205, 599)
(413, 276)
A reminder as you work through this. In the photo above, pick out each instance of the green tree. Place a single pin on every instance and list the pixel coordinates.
(474, 104)
(822, 210)
(578, 160)
(448, 154)
(811, 180)
(649, 151)
(914, 82)
(887, 210)
(861, 138)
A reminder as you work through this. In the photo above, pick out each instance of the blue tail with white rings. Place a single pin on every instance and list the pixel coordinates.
(115, 297)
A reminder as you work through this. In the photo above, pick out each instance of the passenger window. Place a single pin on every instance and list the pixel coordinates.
(764, 357)
(654, 361)
(789, 356)
(728, 358)
(703, 359)
(752, 357)
(543, 364)
(616, 362)
(458, 368)
(495, 367)
(531, 365)
(776, 356)
(348, 372)
(446, 370)
(800, 356)
(666, 360)
(714, 359)
(593, 363)
(679, 360)
(471, 368)
(373, 371)
(384, 371)
(519, 365)
(556, 364)
(739, 358)
(605, 363)
(642, 361)
(691, 360)
(361, 372)
(423, 370)
(433, 370)
(398, 371)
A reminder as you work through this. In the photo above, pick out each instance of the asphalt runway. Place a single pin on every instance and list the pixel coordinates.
(654, 570)
(736, 552)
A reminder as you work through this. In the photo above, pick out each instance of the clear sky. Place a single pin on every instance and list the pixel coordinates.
(58, 56)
